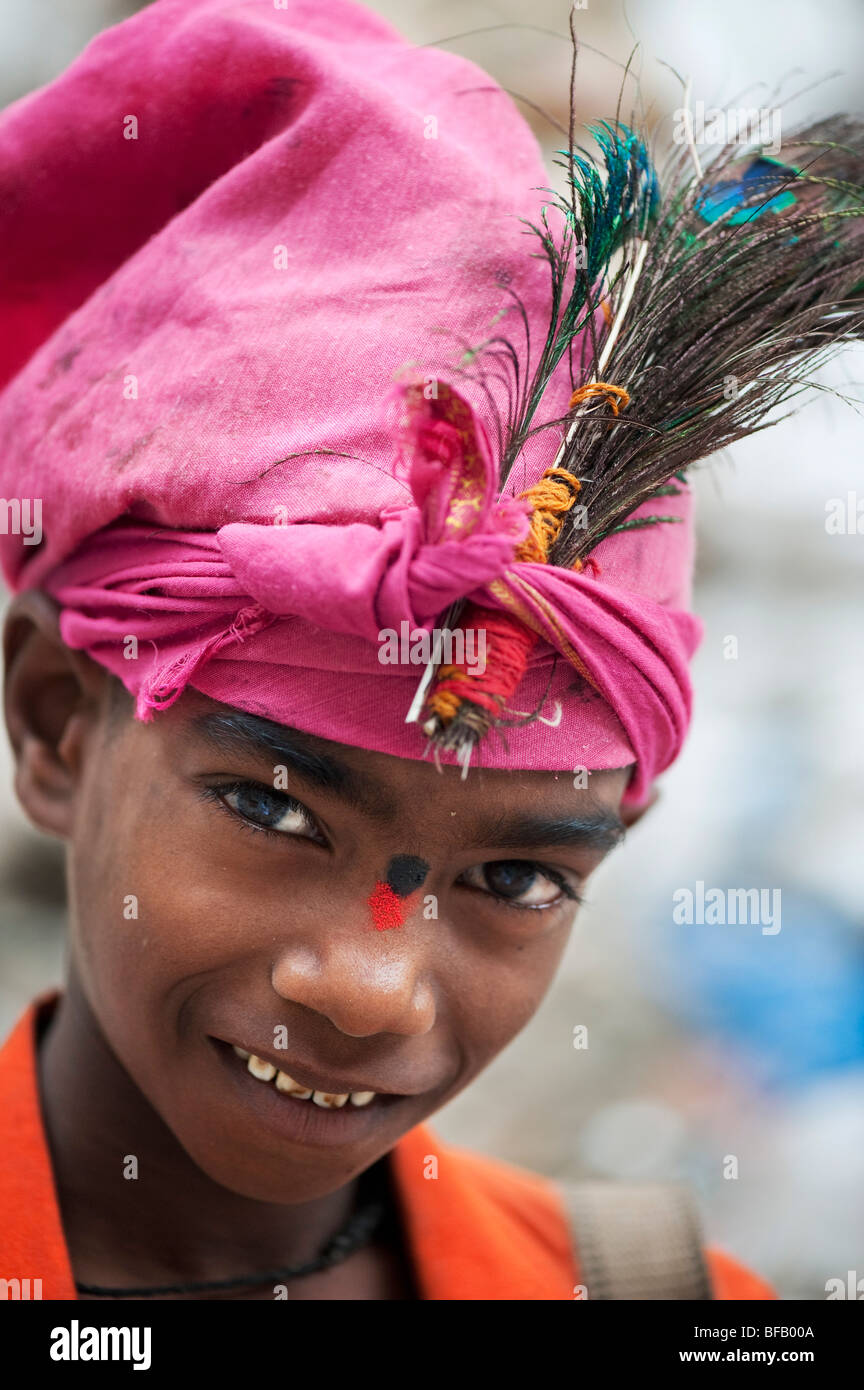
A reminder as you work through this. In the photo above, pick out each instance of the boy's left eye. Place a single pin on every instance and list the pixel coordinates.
(519, 882)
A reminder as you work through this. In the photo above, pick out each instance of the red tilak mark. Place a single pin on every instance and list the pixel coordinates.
(385, 907)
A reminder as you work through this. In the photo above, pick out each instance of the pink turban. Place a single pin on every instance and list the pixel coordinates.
(234, 231)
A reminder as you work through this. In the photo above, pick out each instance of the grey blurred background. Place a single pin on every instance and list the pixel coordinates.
(704, 1041)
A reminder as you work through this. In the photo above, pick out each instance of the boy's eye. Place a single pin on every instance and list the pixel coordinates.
(519, 882)
(268, 809)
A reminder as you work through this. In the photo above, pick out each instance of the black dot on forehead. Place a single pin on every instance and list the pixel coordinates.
(405, 873)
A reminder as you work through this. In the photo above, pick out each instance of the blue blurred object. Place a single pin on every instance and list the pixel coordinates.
(793, 1001)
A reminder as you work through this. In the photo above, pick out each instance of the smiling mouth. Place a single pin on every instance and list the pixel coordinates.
(286, 1085)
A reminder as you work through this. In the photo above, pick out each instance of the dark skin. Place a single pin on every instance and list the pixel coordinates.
(252, 916)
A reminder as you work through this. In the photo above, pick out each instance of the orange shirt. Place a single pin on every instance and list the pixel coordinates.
(481, 1229)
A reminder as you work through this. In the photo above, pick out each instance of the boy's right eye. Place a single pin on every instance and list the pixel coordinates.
(265, 809)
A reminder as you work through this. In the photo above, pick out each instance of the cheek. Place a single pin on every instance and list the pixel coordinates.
(124, 901)
(503, 988)
(155, 903)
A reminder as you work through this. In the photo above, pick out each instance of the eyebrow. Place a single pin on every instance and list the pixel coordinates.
(261, 738)
(598, 830)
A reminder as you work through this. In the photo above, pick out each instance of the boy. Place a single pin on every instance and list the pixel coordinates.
(292, 937)
(240, 931)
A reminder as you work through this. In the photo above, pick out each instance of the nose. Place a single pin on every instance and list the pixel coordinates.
(364, 981)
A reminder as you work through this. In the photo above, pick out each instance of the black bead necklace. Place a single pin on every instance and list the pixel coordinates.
(357, 1232)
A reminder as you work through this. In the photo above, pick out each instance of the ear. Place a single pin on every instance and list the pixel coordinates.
(631, 814)
(52, 698)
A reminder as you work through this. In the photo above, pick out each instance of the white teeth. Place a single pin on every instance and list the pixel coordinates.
(362, 1097)
(264, 1071)
(286, 1083)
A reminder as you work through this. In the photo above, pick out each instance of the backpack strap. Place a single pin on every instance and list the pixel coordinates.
(637, 1240)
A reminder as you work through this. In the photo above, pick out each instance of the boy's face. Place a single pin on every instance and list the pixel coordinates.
(210, 908)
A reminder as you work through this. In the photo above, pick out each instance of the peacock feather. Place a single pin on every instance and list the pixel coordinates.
(724, 290)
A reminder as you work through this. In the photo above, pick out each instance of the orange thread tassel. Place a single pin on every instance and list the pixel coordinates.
(509, 641)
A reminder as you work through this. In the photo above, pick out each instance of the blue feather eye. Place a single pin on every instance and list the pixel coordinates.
(757, 180)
